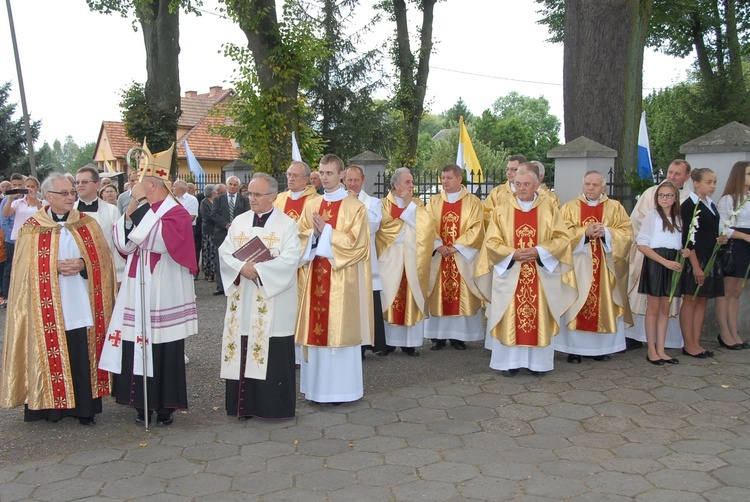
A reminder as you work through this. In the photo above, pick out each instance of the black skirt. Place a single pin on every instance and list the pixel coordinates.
(656, 279)
(713, 285)
(740, 256)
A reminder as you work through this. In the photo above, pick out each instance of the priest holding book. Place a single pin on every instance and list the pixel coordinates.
(257, 356)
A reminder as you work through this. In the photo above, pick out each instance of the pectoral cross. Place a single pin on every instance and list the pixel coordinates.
(241, 239)
(271, 240)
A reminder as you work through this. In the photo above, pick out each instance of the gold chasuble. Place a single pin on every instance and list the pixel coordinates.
(405, 267)
(336, 299)
(503, 193)
(452, 288)
(526, 300)
(294, 208)
(602, 277)
(36, 364)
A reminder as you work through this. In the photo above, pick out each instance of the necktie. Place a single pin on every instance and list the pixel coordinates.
(231, 207)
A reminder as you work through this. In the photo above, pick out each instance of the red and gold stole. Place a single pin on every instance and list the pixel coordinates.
(588, 317)
(527, 288)
(450, 227)
(320, 284)
(399, 303)
(294, 208)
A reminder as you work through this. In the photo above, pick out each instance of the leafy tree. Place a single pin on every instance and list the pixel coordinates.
(159, 22)
(431, 124)
(13, 136)
(137, 114)
(278, 62)
(444, 152)
(413, 70)
(454, 113)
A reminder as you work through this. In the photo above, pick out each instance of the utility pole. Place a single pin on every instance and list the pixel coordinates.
(29, 138)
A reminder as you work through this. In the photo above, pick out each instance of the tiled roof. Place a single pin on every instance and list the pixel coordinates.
(207, 145)
(196, 106)
(118, 140)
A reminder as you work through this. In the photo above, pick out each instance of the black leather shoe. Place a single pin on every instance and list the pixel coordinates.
(672, 360)
(657, 362)
(164, 420)
(574, 359)
(537, 373)
(438, 345)
(410, 351)
(700, 355)
(86, 421)
(601, 358)
(736, 346)
(218, 293)
(140, 418)
(510, 373)
(458, 345)
(745, 345)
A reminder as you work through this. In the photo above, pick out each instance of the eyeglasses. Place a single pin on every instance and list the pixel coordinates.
(64, 193)
(258, 195)
(666, 196)
(83, 182)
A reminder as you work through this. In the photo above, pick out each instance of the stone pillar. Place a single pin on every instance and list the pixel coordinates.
(719, 150)
(576, 158)
(242, 170)
(372, 164)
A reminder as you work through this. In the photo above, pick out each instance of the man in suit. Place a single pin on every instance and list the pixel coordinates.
(123, 201)
(226, 208)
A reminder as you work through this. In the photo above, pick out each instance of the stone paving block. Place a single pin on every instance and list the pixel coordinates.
(727, 494)
(324, 447)
(512, 471)
(641, 450)
(571, 411)
(583, 397)
(372, 417)
(474, 456)
(488, 400)
(708, 420)
(736, 457)
(295, 464)
(457, 389)
(185, 439)
(293, 495)
(10, 492)
(722, 394)
(425, 490)
(674, 395)
(174, 468)
(598, 497)
(707, 368)
(412, 457)
(707, 433)
(733, 381)
(536, 398)
(640, 466)
(361, 493)
(49, 474)
(630, 396)
(393, 403)
(659, 422)
(729, 367)
(594, 384)
(415, 392)
(237, 465)
(93, 457)
(608, 425)
(491, 489)
(450, 472)
(116, 469)
(597, 440)
(422, 415)
(434, 441)
(242, 436)
(345, 408)
(653, 436)
(691, 481)
(669, 409)
(262, 483)
(455, 427)
(692, 462)
(138, 486)
(210, 451)
(556, 425)
(321, 420)
(401, 429)
(487, 441)
(472, 413)
(553, 486)
(569, 469)
(733, 475)
(547, 441)
(503, 388)
(354, 460)
(668, 496)
(225, 496)
(68, 489)
(95, 499)
(153, 453)
(638, 382)
(705, 447)
(441, 402)
(719, 408)
(379, 444)
(387, 475)
(325, 479)
(619, 483)
(584, 453)
(6, 476)
(199, 485)
(619, 410)
(349, 431)
(683, 382)
(547, 385)
(300, 433)
(507, 426)
(527, 455)
(522, 412)
(270, 449)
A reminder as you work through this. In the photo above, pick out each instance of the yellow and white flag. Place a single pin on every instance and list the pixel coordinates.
(107, 166)
(467, 157)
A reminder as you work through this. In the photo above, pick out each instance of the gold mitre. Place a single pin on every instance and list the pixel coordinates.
(156, 165)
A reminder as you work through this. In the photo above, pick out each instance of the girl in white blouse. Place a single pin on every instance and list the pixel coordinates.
(660, 239)
(734, 209)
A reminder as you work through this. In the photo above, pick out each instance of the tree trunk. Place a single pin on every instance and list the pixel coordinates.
(161, 36)
(603, 74)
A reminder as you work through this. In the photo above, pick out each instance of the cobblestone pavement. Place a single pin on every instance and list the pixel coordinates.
(615, 430)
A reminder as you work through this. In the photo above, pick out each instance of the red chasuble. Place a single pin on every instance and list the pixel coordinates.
(588, 317)
(320, 287)
(527, 288)
(450, 278)
(399, 303)
(294, 208)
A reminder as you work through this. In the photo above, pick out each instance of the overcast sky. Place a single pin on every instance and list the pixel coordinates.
(76, 62)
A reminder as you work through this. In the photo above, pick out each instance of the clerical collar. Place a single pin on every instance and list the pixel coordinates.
(59, 218)
(259, 220)
(339, 194)
(593, 203)
(526, 205)
(88, 207)
(297, 195)
(452, 197)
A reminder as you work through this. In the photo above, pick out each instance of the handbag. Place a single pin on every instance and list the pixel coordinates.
(725, 259)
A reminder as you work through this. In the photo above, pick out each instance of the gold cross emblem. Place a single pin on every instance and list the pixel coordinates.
(271, 240)
(241, 239)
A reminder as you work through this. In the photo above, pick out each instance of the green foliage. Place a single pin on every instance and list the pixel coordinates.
(13, 136)
(444, 151)
(134, 8)
(145, 120)
(452, 115)
(64, 157)
(431, 124)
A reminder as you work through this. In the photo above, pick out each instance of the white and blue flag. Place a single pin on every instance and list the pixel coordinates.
(645, 168)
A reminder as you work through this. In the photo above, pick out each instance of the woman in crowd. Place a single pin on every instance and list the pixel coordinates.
(109, 194)
(23, 206)
(735, 223)
(243, 189)
(208, 249)
(708, 283)
(660, 240)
